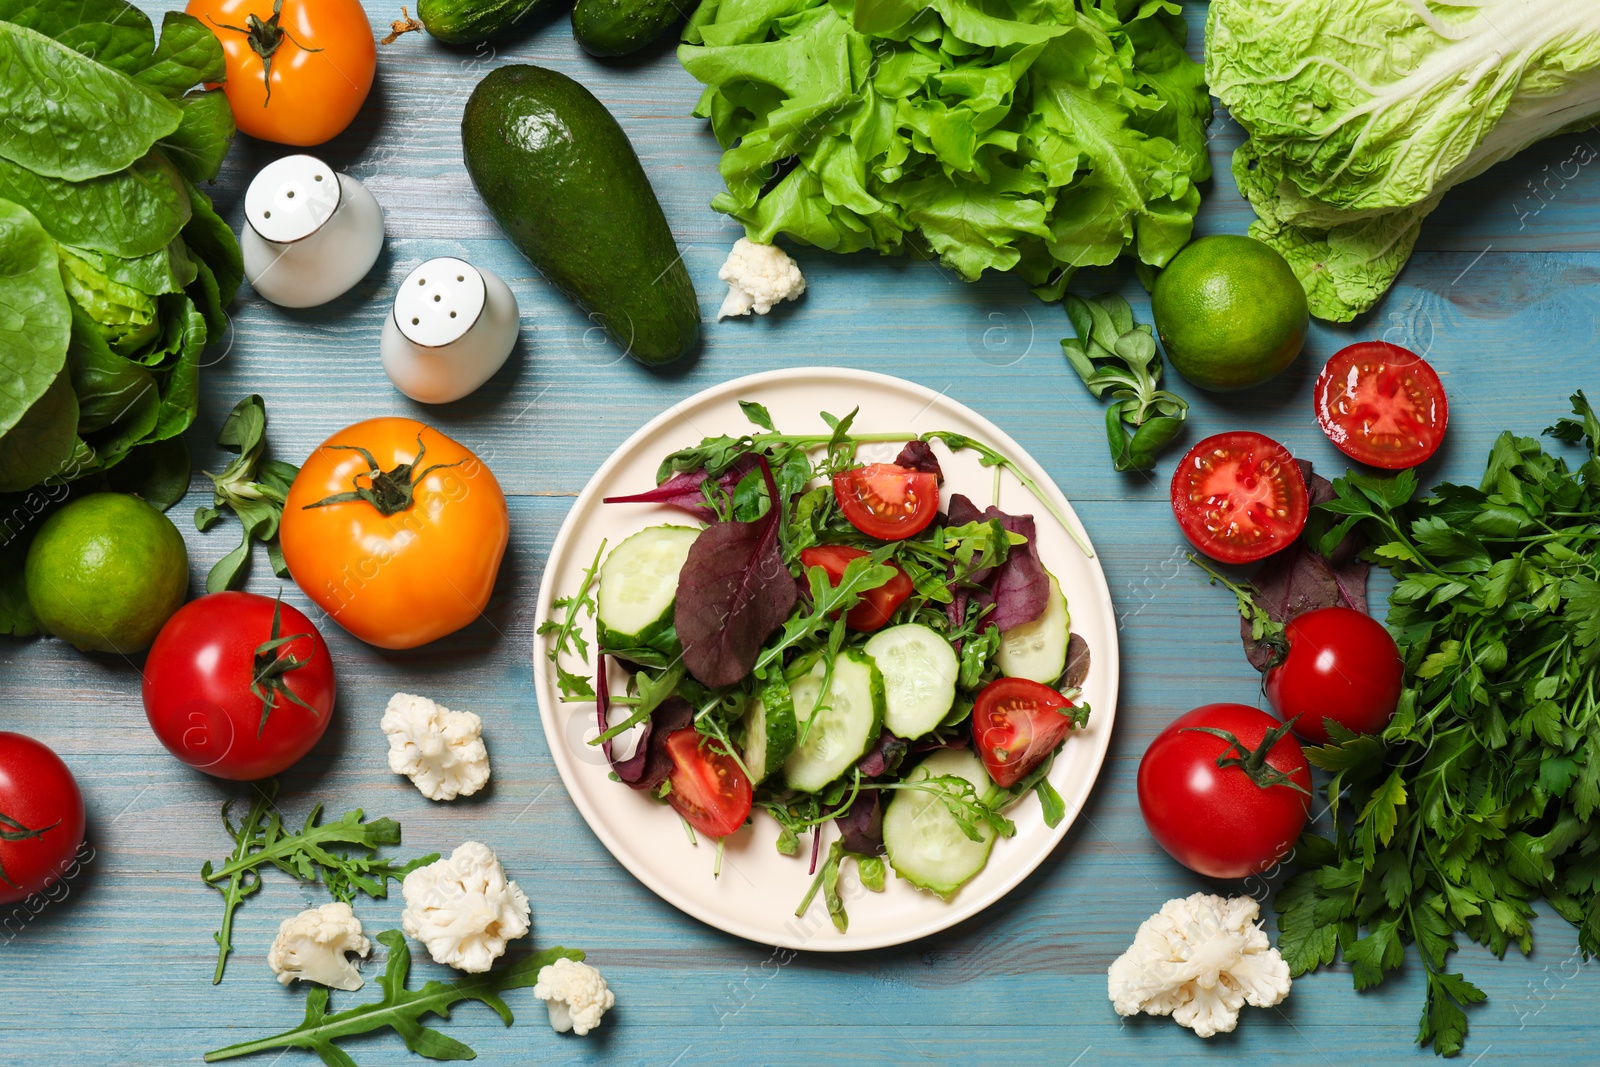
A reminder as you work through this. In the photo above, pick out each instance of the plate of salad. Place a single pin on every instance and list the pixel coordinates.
(825, 659)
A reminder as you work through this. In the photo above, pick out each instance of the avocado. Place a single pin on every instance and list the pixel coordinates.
(620, 27)
(562, 180)
(472, 21)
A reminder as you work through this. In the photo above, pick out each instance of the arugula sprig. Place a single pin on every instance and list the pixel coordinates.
(569, 639)
(401, 1009)
(251, 486)
(1482, 792)
(341, 855)
(1114, 356)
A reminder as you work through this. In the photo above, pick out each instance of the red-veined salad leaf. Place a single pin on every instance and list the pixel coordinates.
(861, 827)
(919, 456)
(1019, 587)
(884, 757)
(1077, 663)
(733, 591)
(687, 490)
(649, 765)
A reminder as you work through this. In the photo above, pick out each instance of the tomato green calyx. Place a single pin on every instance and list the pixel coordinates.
(265, 37)
(272, 667)
(12, 830)
(1254, 762)
(389, 491)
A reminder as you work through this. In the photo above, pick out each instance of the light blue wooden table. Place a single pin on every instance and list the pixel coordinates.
(1502, 296)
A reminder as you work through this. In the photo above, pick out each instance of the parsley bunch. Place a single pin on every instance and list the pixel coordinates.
(1481, 794)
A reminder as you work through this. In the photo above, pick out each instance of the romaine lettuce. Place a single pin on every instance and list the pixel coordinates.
(1363, 113)
(1029, 135)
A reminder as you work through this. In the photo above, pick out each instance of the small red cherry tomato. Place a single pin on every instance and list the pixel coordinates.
(239, 686)
(1225, 790)
(41, 818)
(1381, 405)
(1338, 664)
(877, 606)
(1239, 497)
(708, 788)
(1016, 724)
(887, 502)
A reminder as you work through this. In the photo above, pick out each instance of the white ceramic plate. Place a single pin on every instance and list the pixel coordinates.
(758, 890)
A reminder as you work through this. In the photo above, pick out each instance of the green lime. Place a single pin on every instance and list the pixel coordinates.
(106, 572)
(1230, 312)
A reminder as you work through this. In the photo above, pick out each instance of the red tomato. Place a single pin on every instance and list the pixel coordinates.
(226, 697)
(41, 818)
(708, 788)
(1339, 664)
(887, 502)
(878, 605)
(1239, 497)
(1225, 808)
(1381, 405)
(1016, 724)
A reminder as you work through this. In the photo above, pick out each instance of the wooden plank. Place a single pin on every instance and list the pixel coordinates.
(118, 972)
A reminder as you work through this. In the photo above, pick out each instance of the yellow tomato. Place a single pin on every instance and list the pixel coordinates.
(298, 73)
(396, 531)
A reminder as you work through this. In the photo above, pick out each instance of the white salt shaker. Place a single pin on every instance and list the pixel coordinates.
(310, 233)
(453, 326)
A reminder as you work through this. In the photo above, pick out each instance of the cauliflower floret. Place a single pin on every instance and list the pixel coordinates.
(575, 994)
(464, 908)
(758, 277)
(440, 750)
(311, 946)
(1199, 960)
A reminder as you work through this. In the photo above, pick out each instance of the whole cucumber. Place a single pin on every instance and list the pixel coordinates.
(562, 180)
(473, 21)
(621, 27)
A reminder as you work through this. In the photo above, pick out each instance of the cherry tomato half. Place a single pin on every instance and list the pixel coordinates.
(1339, 664)
(1381, 405)
(708, 788)
(1239, 497)
(887, 502)
(1225, 808)
(877, 606)
(226, 698)
(41, 810)
(301, 77)
(402, 554)
(1016, 724)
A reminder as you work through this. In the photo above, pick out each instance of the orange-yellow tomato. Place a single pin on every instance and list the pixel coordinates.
(396, 531)
(320, 54)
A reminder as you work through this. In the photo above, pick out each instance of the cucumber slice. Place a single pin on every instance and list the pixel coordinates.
(769, 729)
(925, 844)
(638, 588)
(919, 677)
(848, 721)
(1037, 650)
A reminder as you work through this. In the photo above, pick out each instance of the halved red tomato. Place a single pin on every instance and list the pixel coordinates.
(1381, 405)
(1239, 497)
(1016, 723)
(888, 502)
(708, 788)
(878, 605)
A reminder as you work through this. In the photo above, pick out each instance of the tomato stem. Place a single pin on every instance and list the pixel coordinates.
(390, 491)
(12, 830)
(265, 36)
(272, 667)
(1254, 762)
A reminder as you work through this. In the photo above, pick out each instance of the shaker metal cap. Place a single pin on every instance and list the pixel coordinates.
(291, 198)
(439, 302)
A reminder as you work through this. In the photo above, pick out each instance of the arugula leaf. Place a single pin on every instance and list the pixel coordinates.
(402, 1009)
(328, 853)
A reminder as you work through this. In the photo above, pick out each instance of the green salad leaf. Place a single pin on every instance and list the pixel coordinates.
(1350, 148)
(1029, 135)
(35, 316)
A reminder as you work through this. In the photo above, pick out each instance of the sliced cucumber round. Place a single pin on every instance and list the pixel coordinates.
(919, 671)
(925, 844)
(769, 729)
(638, 588)
(1037, 650)
(836, 727)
